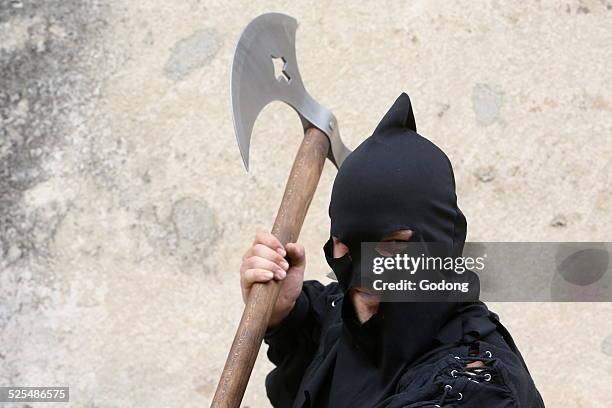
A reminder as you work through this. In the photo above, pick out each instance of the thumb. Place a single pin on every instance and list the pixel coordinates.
(296, 255)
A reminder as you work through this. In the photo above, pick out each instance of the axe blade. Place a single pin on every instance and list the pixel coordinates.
(268, 40)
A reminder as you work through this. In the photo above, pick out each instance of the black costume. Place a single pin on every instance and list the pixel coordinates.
(409, 354)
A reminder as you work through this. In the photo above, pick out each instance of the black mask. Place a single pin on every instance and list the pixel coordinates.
(396, 179)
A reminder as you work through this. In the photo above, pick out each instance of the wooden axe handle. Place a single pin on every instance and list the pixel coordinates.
(299, 191)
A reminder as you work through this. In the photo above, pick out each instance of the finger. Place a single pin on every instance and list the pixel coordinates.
(296, 254)
(269, 240)
(256, 262)
(270, 254)
(257, 275)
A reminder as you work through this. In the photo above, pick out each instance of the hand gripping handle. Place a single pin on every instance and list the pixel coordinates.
(300, 189)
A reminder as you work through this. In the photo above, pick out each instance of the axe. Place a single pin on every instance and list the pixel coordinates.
(268, 42)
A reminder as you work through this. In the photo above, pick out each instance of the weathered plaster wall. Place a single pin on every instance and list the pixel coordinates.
(124, 207)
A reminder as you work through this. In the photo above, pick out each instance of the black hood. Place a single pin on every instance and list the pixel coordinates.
(396, 179)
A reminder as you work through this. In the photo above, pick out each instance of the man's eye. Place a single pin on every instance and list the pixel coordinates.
(389, 248)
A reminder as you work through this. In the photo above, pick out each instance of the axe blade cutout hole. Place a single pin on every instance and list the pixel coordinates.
(280, 65)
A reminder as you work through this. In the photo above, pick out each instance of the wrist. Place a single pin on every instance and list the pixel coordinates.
(279, 315)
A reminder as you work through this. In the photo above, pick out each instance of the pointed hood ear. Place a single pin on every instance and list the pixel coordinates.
(399, 116)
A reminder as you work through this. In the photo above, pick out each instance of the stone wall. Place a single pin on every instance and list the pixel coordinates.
(124, 206)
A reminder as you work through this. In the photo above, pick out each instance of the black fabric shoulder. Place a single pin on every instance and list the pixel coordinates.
(444, 380)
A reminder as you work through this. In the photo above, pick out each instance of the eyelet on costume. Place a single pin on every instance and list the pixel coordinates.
(457, 357)
(487, 377)
(448, 387)
(488, 354)
(454, 373)
(459, 396)
(333, 304)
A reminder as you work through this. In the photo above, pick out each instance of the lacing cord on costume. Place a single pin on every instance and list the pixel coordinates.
(473, 374)
(449, 395)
